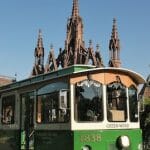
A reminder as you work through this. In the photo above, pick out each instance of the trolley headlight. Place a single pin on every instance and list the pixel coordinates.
(86, 147)
(123, 141)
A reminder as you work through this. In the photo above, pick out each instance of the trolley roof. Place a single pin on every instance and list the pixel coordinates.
(75, 69)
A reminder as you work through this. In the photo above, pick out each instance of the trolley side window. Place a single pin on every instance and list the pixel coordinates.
(88, 104)
(116, 102)
(8, 109)
(49, 109)
(52, 104)
(133, 104)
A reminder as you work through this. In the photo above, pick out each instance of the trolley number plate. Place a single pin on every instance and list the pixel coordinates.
(90, 138)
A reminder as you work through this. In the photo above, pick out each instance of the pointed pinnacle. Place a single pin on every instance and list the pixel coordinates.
(40, 40)
(97, 47)
(114, 30)
(90, 43)
(75, 9)
(51, 47)
(114, 42)
(40, 33)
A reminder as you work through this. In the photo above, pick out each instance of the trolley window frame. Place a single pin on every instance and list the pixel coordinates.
(41, 90)
(116, 102)
(56, 107)
(16, 124)
(95, 118)
(133, 103)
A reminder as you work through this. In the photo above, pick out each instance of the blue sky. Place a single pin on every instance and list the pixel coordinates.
(20, 21)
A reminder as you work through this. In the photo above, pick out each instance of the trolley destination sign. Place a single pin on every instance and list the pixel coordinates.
(121, 125)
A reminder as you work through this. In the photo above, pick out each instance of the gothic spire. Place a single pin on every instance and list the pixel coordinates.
(74, 44)
(75, 9)
(98, 57)
(51, 62)
(38, 67)
(40, 40)
(114, 47)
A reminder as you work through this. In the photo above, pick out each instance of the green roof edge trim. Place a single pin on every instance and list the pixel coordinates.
(47, 76)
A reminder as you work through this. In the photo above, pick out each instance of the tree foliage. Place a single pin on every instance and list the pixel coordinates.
(145, 121)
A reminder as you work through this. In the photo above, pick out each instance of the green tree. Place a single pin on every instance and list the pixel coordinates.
(145, 121)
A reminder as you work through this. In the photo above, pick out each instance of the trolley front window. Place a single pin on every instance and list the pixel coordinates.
(88, 104)
(116, 102)
(8, 109)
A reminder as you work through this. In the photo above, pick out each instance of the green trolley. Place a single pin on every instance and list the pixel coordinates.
(77, 108)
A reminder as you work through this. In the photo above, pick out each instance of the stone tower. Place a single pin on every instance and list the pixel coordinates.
(74, 52)
(74, 44)
(114, 47)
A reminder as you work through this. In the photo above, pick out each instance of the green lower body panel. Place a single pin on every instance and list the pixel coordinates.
(9, 140)
(106, 139)
(53, 140)
(71, 140)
